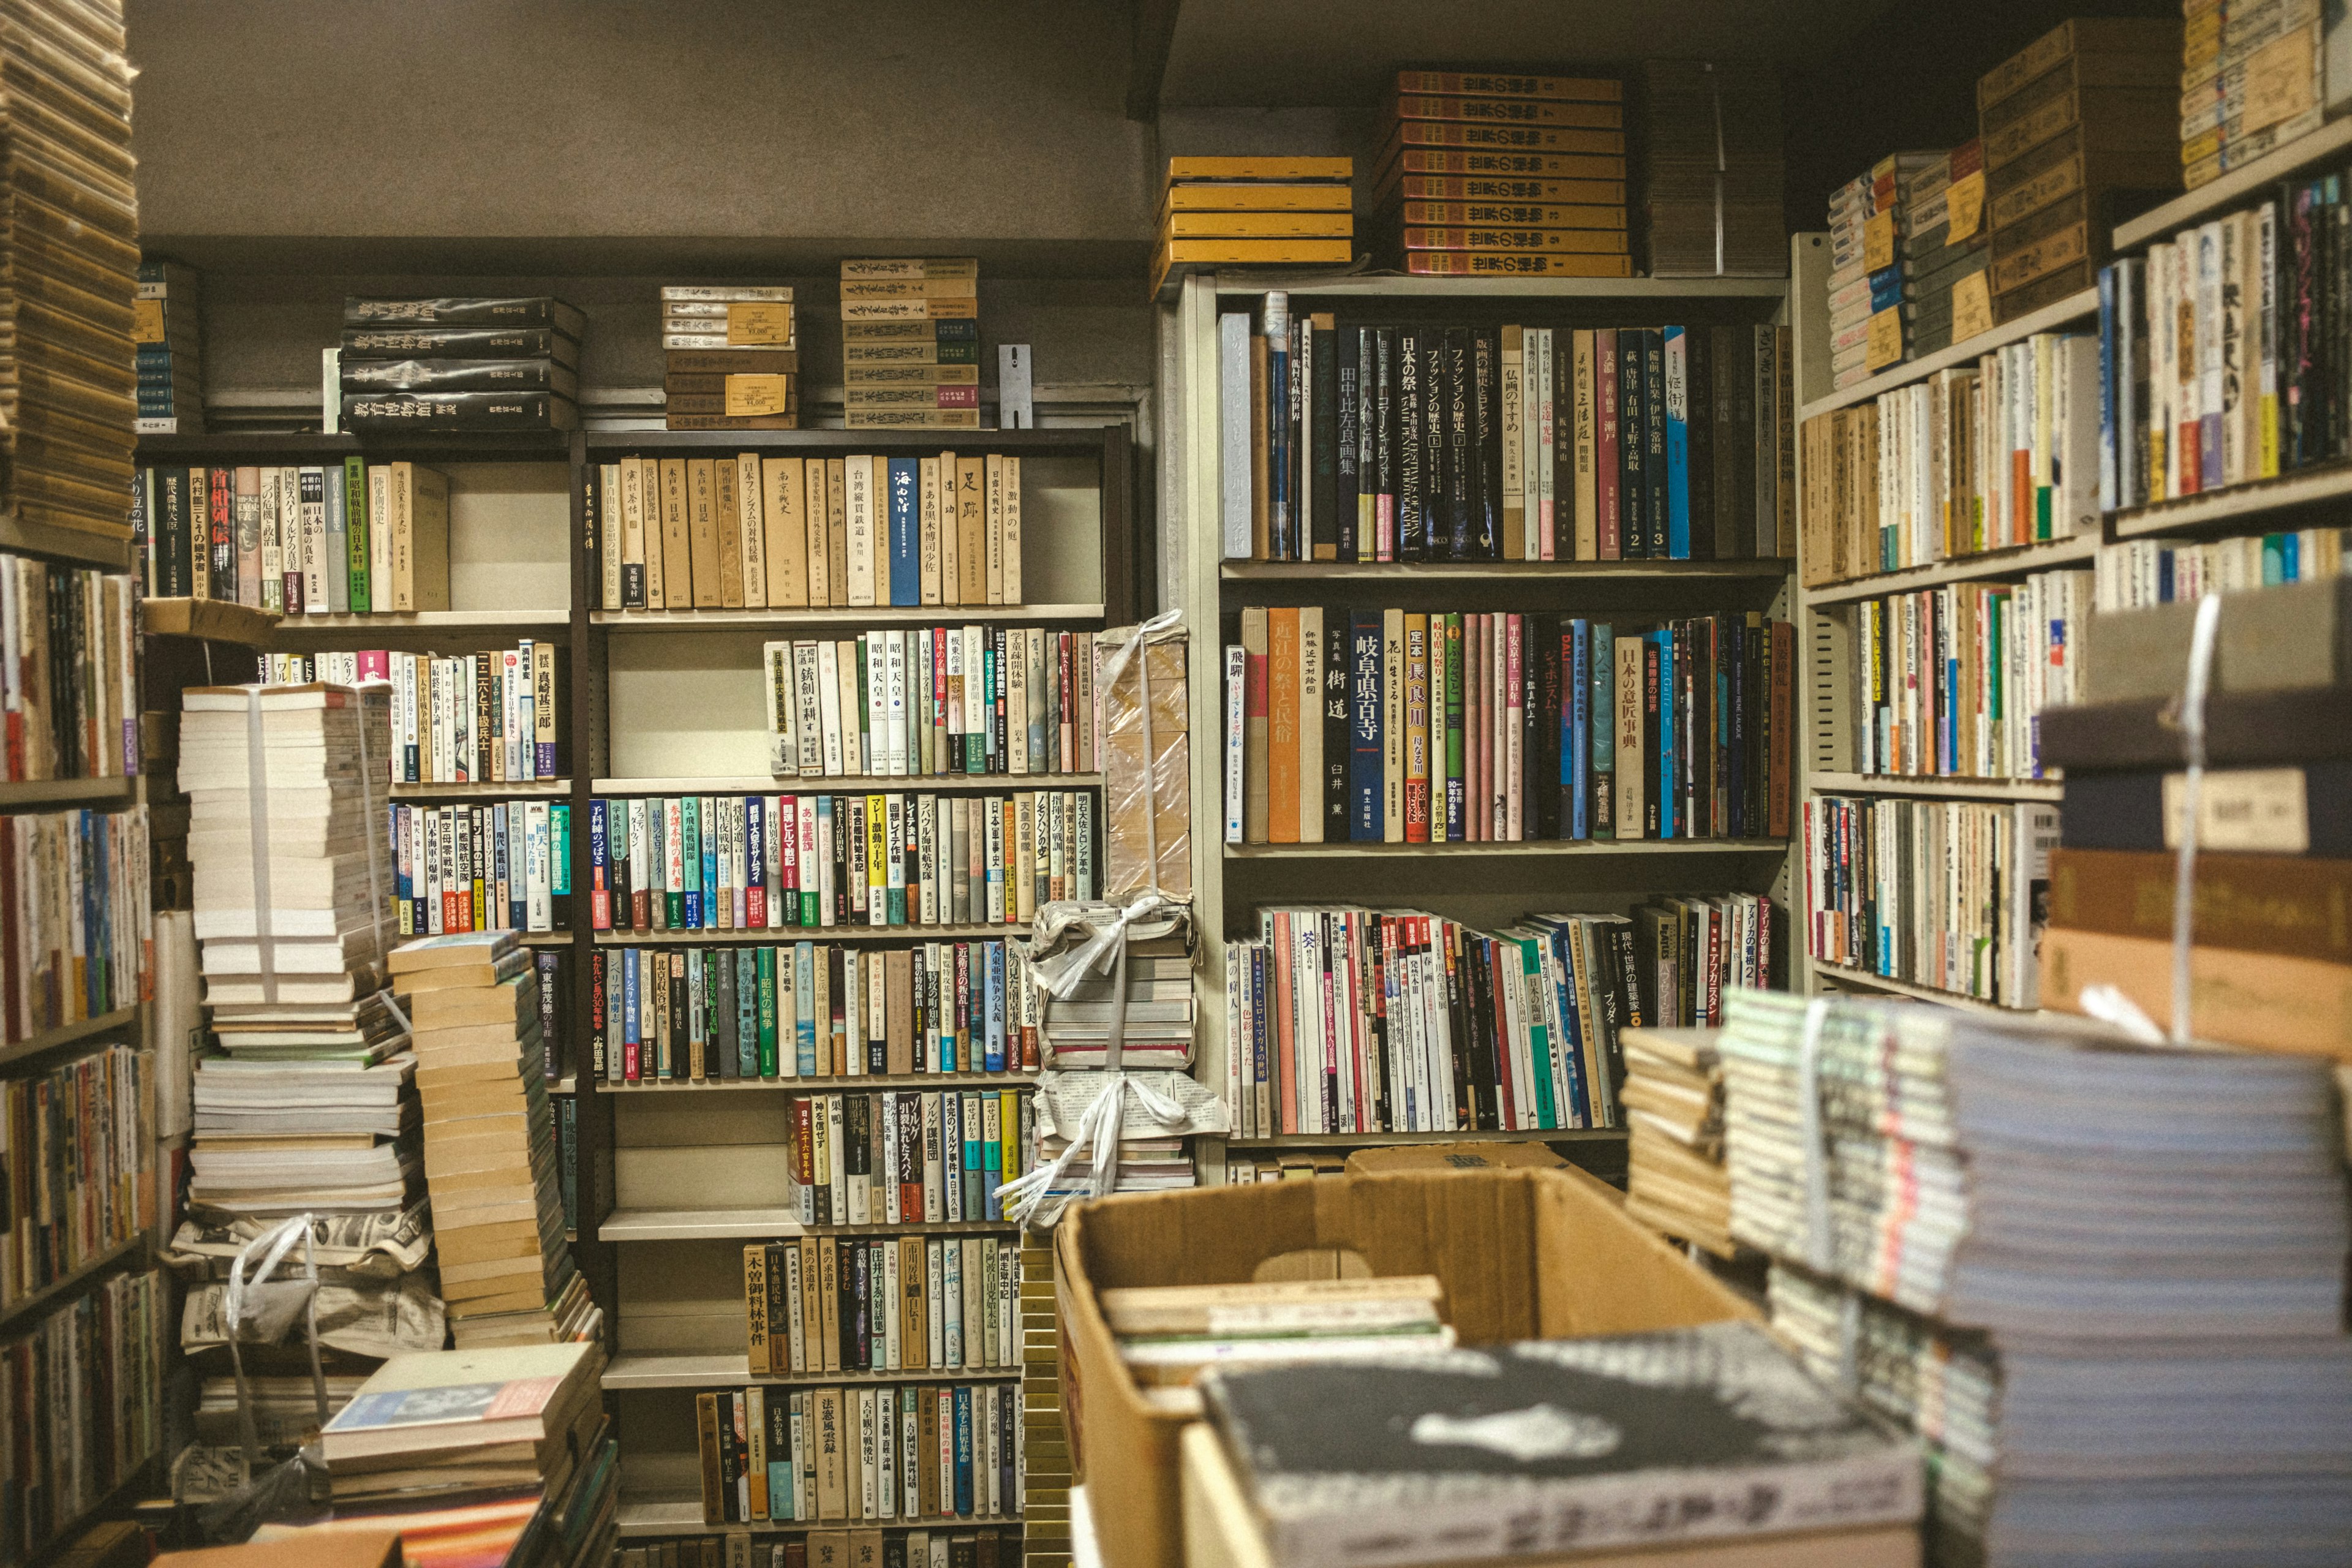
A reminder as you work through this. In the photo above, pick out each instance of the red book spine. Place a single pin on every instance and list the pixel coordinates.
(224, 536)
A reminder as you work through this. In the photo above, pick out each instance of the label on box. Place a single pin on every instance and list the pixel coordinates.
(758, 393)
(2247, 811)
(1878, 243)
(1972, 306)
(753, 323)
(1885, 345)
(2279, 80)
(1964, 202)
(147, 320)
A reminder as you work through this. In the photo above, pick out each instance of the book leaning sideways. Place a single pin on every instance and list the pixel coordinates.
(1678, 1437)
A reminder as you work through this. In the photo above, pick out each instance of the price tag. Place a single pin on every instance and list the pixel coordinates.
(758, 393)
(1878, 243)
(147, 320)
(1965, 202)
(1972, 306)
(758, 323)
(1885, 343)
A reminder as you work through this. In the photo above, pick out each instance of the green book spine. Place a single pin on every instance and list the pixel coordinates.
(1539, 1044)
(1456, 805)
(769, 1066)
(356, 529)
(673, 897)
(559, 849)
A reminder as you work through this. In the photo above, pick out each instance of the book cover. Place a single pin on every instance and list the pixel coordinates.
(905, 531)
(1367, 736)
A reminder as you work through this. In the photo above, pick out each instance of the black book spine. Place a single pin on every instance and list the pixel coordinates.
(1654, 438)
(600, 1042)
(1300, 423)
(1532, 725)
(1564, 530)
(1486, 439)
(1632, 499)
(855, 1300)
(172, 541)
(1698, 416)
(1734, 443)
(1336, 742)
(551, 1001)
(730, 1463)
(1458, 999)
(1348, 480)
(1410, 474)
(457, 411)
(1382, 545)
(1544, 716)
(422, 375)
(365, 344)
(1323, 449)
(1435, 460)
(1461, 456)
(2338, 294)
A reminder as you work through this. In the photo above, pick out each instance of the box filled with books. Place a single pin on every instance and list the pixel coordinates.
(910, 343)
(730, 357)
(451, 363)
(1221, 212)
(1946, 249)
(1712, 170)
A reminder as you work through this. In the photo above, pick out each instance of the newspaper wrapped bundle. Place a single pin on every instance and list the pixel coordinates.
(1145, 756)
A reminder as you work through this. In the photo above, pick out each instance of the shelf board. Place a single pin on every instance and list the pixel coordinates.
(776, 1224)
(1403, 572)
(110, 551)
(662, 1514)
(1467, 1135)
(2240, 505)
(544, 938)
(625, 1090)
(1580, 847)
(861, 616)
(1058, 438)
(2073, 307)
(542, 445)
(1937, 788)
(623, 1372)
(209, 620)
(411, 623)
(1862, 980)
(486, 790)
(1634, 290)
(568, 1084)
(783, 935)
(66, 791)
(25, 1308)
(66, 1034)
(2237, 187)
(2014, 561)
(836, 784)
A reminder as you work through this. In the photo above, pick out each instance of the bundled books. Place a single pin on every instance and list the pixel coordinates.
(928, 309)
(1870, 306)
(473, 1003)
(776, 532)
(1155, 1013)
(768, 862)
(933, 701)
(2277, 51)
(1672, 1096)
(1951, 682)
(730, 357)
(2119, 1268)
(459, 364)
(82, 1137)
(1170, 1334)
(445, 1423)
(831, 1549)
(504, 866)
(167, 319)
(1947, 246)
(69, 687)
(1977, 457)
(1243, 212)
(1711, 189)
(810, 1011)
(900, 1303)
(1560, 138)
(79, 942)
(1391, 726)
(896, 1452)
(355, 539)
(2076, 128)
(2137, 572)
(1943, 893)
(907, 1158)
(1347, 441)
(82, 1387)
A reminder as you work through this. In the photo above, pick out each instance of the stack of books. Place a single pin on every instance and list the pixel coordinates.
(434, 1426)
(2076, 128)
(1948, 248)
(730, 357)
(1673, 1096)
(1458, 142)
(2253, 78)
(1158, 1030)
(910, 343)
(1169, 1335)
(1897, 183)
(1254, 212)
(1150, 1157)
(1713, 173)
(168, 317)
(2102, 1283)
(1850, 294)
(459, 364)
(490, 1142)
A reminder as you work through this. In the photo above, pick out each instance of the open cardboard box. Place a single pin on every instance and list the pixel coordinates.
(1523, 1254)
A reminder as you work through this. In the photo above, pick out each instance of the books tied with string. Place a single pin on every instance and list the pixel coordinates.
(2102, 1282)
(1673, 1096)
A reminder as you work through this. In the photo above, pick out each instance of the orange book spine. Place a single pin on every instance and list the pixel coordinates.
(1282, 726)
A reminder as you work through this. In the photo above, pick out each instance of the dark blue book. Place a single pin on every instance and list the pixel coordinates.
(903, 501)
(856, 1306)
(963, 1439)
(1575, 756)
(1669, 792)
(1654, 435)
(1367, 728)
(632, 1036)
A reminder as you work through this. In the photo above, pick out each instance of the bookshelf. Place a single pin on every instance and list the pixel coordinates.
(1493, 883)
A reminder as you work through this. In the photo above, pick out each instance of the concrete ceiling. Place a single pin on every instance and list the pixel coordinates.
(1286, 53)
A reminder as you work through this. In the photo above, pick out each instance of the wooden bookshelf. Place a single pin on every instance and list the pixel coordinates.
(1385, 1140)
(1937, 787)
(2015, 561)
(1840, 976)
(488, 789)
(35, 794)
(1557, 573)
(851, 783)
(843, 1084)
(132, 1248)
(770, 1224)
(1543, 848)
(785, 935)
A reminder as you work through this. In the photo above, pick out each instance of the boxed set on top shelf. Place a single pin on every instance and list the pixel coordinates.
(910, 343)
(169, 327)
(1947, 252)
(1340, 441)
(1871, 314)
(1712, 170)
(1222, 212)
(730, 357)
(1461, 150)
(2252, 79)
(458, 363)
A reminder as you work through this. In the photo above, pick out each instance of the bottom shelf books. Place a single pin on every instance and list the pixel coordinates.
(906, 1452)
(899, 1303)
(987, 1547)
(82, 1403)
(1345, 1020)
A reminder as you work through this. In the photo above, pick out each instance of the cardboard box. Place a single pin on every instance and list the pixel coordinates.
(1441, 1157)
(1523, 1254)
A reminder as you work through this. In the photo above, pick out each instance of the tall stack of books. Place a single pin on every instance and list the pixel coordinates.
(2252, 77)
(490, 1142)
(2077, 127)
(1672, 1099)
(730, 357)
(1712, 170)
(168, 328)
(1947, 246)
(908, 329)
(1849, 286)
(1527, 172)
(469, 363)
(1254, 212)
(442, 1423)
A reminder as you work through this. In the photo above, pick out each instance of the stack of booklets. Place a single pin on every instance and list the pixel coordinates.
(1157, 1027)
(730, 357)
(169, 318)
(1673, 1096)
(1711, 187)
(2076, 128)
(2253, 78)
(1254, 212)
(1459, 143)
(2142, 1247)
(1850, 294)
(490, 1142)
(909, 329)
(1170, 1334)
(1898, 183)
(460, 363)
(1947, 245)
(328, 1127)
(296, 541)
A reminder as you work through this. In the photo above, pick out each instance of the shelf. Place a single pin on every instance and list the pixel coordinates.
(2237, 187)
(27, 1307)
(209, 620)
(2240, 504)
(712, 1371)
(543, 938)
(1582, 848)
(568, 1084)
(1061, 438)
(837, 784)
(1633, 290)
(414, 622)
(2074, 307)
(2014, 561)
(1862, 980)
(785, 935)
(66, 791)
(756, 1224)
(486, 790)
(66, 1034)
(1465, 1135)
(1403, 572)
(542, 445)
(624, 1089)
(1935, 788)
(661, 1515)
(860, 618)
(110, 552)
